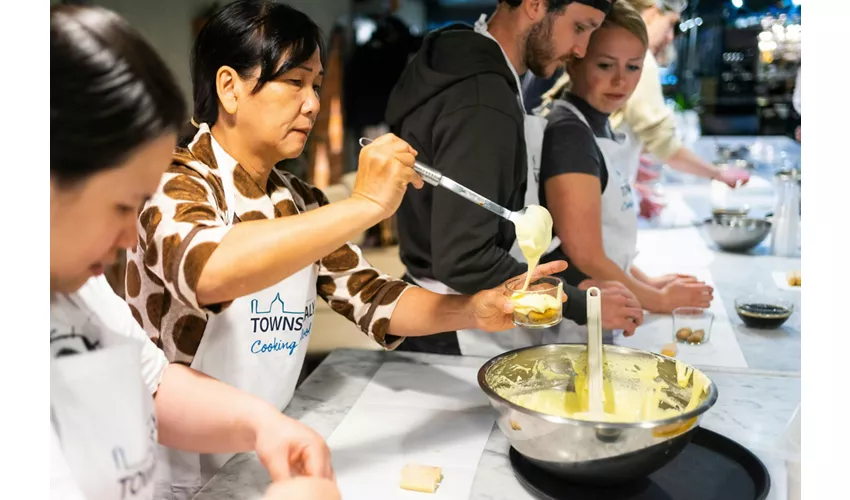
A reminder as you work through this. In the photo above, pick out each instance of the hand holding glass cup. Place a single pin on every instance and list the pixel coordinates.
(539, 306)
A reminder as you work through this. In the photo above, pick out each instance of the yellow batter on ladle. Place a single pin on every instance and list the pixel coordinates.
(534, 235)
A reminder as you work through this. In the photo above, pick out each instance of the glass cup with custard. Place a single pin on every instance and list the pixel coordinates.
(538, 306)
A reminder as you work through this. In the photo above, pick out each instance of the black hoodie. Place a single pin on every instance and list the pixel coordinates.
(456, 104)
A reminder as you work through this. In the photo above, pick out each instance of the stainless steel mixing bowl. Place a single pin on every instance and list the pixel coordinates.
(737, 234)
(580, 450)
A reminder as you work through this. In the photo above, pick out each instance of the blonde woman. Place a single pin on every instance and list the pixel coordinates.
(644, 115)
(585, 169)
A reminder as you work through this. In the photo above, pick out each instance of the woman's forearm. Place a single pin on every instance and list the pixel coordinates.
(196, 412)
(255, 255)
(641, 276)
(685, 160)
(420, 312)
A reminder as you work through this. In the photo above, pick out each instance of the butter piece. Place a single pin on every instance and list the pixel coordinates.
(669, 350)
(793, 278)
(422, 478)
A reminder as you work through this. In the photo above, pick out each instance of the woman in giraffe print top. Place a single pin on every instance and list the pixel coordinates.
(115, 112)
(233, 252)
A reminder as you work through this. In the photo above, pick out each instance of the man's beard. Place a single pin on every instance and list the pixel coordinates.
(539, 52)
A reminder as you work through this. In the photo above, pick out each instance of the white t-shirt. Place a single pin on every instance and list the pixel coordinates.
(85, 323)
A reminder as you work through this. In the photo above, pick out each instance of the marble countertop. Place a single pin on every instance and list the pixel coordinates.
(753, 409)
(736, 275)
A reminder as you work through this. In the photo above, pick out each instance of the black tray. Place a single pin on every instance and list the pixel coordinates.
(711, 467)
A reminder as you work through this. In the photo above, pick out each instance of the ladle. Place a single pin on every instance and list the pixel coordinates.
(435, 178)
(594, 351)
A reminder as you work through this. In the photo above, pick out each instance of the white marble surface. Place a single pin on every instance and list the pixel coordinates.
(741, 274)
(753, 408)
(735, 275)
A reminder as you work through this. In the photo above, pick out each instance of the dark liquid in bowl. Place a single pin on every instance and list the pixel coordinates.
(763, 315)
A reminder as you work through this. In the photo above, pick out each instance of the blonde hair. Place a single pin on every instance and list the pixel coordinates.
(640, 5)
(622, 15)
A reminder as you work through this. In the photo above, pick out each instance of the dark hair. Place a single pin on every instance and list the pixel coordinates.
(109, 92)
(245, 35)
(551, 5)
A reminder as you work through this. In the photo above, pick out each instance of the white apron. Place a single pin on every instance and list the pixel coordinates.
(619, 211)
(257, 345)
(104, 414)
(632, 158)
(477, 342)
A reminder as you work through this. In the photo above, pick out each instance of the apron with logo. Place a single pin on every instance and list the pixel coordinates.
(258, 345)
(632, 158)
(477, 342)
(104, 414)
(619, 211)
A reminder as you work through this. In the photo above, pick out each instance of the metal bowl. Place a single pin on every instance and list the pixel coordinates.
(737, 234)
(730, 212)
(583, 451)
(735, 163)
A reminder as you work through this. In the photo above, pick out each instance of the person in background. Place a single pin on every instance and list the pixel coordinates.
(584, 170)
(232, 252)
(795, 100)
(114, 115)
(459, 104)
(645, 116)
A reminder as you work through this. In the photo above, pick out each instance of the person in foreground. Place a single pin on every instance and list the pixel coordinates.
(233, 251)
(585, 169)
(114, 115)
(458, 104)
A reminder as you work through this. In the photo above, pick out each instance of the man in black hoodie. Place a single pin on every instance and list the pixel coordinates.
(458, 104)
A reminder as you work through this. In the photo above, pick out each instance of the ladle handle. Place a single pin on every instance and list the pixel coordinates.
(435, 178)
(594, 351)
(427, 173)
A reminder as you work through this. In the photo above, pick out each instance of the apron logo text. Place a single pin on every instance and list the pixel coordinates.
(137, 475)
(259, 347)
(275, 318)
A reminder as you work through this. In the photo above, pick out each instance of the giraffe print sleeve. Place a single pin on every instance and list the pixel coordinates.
(358, 291)
(180, 227)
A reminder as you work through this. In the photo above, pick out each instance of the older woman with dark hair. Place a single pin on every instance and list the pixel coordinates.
(233, 251)
(115, 112)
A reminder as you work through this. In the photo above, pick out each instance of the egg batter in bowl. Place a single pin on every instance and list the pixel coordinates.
(633, 391)
(651, 406)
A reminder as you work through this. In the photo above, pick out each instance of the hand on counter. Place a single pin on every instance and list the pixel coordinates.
(492, 309)
(384, 170)
(684, 293)
(620, 308)
(648, 209)
(290, 449)
(644, 173)
(303, 488)
(660, 282)
(733, 177)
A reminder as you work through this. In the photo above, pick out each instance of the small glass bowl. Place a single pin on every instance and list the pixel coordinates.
(692, 325)
(763, 311)
(540, 306)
